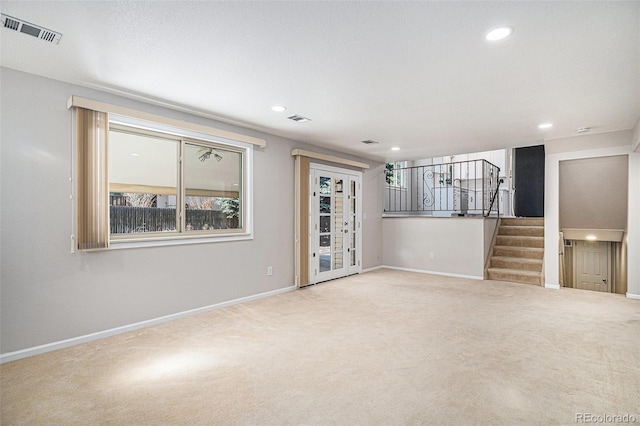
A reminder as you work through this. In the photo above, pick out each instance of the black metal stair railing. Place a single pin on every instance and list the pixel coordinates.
(464, 188)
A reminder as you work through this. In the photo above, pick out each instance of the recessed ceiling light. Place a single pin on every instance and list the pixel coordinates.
(545, 126)
(499, 33)
(395, 148)
(135, 154)
(591, 237)
(583, 129)
(278, 108)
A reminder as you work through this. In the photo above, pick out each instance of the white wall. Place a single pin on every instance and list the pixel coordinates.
(459, 244)
(636, 137)
(49, 295)
(489, 229)
(581, 147)
(633, 224)
(633, 227)
(372, 209)
(593, 193)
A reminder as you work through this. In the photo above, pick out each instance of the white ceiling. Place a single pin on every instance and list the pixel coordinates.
(417, 75)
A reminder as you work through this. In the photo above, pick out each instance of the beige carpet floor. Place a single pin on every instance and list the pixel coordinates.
(382, 348)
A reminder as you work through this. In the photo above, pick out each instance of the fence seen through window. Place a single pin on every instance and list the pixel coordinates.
(164, 184)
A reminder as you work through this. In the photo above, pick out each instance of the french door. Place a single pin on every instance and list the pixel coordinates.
(335, 222)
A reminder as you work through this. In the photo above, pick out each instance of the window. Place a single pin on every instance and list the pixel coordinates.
(148, 183)
(395, 175)
(164, 184)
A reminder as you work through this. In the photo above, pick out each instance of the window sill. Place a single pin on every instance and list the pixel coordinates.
(118, 244)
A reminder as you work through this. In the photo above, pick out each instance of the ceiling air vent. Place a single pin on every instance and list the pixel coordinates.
(298, 118)
(42, 33)
(370, 142)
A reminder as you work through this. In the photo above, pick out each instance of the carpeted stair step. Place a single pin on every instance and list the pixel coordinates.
(519, 263)
(515, 221)
(514, 275)
(524, 231)
(518, 251)
(519, 241)
(522, 252)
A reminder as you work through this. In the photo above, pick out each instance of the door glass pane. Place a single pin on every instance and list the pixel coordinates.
(325, 262)
(325, 223)
(325, 204)
(338, 189)
(353, 205)
(353, 189)
(353, 258)
(325, 253)
(337, 243)
(339, 204)
(337, 261)
(338, 226)
(325, 185)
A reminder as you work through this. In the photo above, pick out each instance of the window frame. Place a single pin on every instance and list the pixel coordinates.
(396, 174)
(182, 137)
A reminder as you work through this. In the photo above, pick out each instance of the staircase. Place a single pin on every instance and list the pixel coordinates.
(518, 251)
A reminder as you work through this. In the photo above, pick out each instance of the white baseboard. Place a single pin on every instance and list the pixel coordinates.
(552, 286)
(633, 296)
(422, 271)
(375, 268)
(36, 350)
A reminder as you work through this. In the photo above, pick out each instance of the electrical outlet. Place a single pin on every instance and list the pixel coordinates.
(270, 270)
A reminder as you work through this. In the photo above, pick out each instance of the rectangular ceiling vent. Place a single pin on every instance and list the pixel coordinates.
(370, 142)
(24, 27)
(298, 118)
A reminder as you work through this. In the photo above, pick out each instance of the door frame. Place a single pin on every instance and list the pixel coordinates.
(301, 205)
